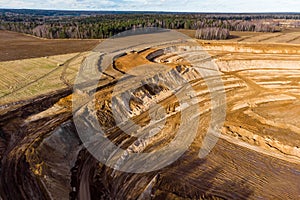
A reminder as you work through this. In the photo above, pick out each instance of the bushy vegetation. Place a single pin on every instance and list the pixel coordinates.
(213, 33)
(85, 24)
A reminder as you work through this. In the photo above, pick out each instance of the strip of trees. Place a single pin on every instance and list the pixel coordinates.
(58, 24)
(213, 33)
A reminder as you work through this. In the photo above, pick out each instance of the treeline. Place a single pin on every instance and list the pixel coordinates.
(212, 33)
(222, 16)
(106, 25)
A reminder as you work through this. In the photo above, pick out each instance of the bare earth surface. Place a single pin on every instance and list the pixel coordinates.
(288, 36)
(256, 157)
(15, 46)
(32, 66)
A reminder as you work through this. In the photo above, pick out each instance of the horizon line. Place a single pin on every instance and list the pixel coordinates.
(163, 11)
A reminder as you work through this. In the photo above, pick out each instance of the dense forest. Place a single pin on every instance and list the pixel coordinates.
(97, 25)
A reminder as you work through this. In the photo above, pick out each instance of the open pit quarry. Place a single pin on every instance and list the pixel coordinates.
(45, 154)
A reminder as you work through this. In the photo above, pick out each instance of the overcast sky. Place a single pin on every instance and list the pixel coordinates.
(160, 5)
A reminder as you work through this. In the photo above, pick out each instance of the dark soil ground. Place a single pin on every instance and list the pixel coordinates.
(15, 46)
